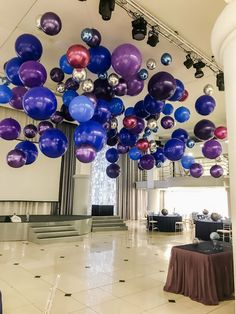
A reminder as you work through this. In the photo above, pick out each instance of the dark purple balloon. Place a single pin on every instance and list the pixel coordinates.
(16, 158)
(147, 162)
(30, 131)
(205, 105)
(122, 149)
(112, 141)
(204, 130)
(71, 84)
(43, 126)
(102, 89)
(85, 153)
(57, 75)
(57, 117)
(92, 97)
(216, 171)
(121, 88)
(174, 149)
(167, 122)
(50, 23)
(65, 113)
(113, 171)
(139, 126)
(139, 166)
(212, 149)
(162, 86)
(16, 100)
(196, 170)
(134, 85)
(96, 38)
(9, 129)
(32, 73)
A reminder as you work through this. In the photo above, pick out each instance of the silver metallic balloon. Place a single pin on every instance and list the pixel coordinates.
(152, 145)
(87, 86)
(151, 64)
(38, 22)
(79, 75)
(208, 90)
(61, 88)
(114, 123)
(113, 79)
(151, 124)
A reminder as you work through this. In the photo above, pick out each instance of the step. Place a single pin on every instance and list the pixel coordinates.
(50, 224)
(53, 229)
(58, 239)
(95, 229)
(105, 217)
(57, 234)
(108, 224)
(106, 220)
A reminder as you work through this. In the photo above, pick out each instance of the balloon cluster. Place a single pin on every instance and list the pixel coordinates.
(97, 108)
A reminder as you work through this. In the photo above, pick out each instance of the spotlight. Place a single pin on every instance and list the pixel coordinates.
(220, 81)
(139, 30)
(153, 37)
(198, 66)
(105, 8)
(188, 62)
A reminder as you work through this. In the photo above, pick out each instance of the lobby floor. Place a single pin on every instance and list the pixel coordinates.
(106, 272)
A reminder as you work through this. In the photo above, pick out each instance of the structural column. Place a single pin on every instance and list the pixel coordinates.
(223, 43)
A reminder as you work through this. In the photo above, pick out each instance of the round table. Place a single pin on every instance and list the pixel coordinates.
(166, 223)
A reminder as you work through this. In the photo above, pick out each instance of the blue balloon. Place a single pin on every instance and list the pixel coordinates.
(158, 163)
(81, 108)
(112, 155)
(182, 114)
(174, 149)
(127, 138)
(168, 109)
(12, 69)
(179, 92)
(129, 112)
(91, 133)
(103, 76)
(143, 74)
(53, 143)
(187, 161)
(153, 106)
(205, 105)
(116, 106)
(68, 96)
(65, 66)
(100, 59)
(134, 153)
(102, 113)
(28, 47)
(140, 110)
(39, 103)
(155, 130)
(190, 143)
(147, 132)
(30, 150)
(159, 155)
(5, 94)
(180, 134)
(166, 59)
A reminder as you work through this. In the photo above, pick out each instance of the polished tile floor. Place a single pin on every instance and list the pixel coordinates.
(108, 273)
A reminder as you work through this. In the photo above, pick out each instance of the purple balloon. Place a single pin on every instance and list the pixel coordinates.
(196, 170)
(216, 171)
(57, 117)
(96, 38)
(16, 158)
(17, 98)
(126, 60)
(139, 127)
(121, 88)
(147, 162)
(32, 74)
(50, 23)
(122, 149)
(9, 129)
(102, 89)
(92, 97)
(167, 122)
(30, 131)
(113, 171)
(204, 129)
(85, 153)
(212, 149)
(71, 84)
(43, 126)
(162, 86)
(134, 86)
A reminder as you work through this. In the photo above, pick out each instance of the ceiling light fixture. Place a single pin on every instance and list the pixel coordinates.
(188, 62)
(153, 37)
(139, 30)
(105, 9)
(220, 81)
(198, 66)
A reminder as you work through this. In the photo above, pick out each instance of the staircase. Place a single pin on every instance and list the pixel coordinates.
(51, 232)
(108, 223)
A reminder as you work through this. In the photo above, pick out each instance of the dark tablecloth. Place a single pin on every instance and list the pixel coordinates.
(203, 229)
(166, 223)
(203, 276)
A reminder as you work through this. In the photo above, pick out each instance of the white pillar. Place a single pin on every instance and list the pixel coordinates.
(81, 194)
(152, 202)
(223, 41)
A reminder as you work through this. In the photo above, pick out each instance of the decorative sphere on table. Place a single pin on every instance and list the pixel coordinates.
(214, 236)
(196, 241)
(164, 212)
(205, 212)
(215, 216)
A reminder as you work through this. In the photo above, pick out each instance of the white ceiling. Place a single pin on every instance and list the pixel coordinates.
(192, 19)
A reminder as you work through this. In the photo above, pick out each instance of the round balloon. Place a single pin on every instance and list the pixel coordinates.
(147, 162)
(12, 71)
(174, 149)
(78, 56)
(71, 84)
(143, 74)
(68, 96)
(190, 143)
(153, 106)
(121, 89)
(81, 108)
(134, 153)
(166, 59)
(162, 86)
(221, 132)
(167, 122)
(102, 113)
(187, 161)
(43, 126)
(204, 129)
(65, 66)
(122, 149)
(95, 39)
(16, 158)
(159, 155)
(57, 117)
(113, 171)
(53, 143)
(205, 105)
(17, 97)
(50, 23)
(180, 134)
(184, 96)
(127, 138)
(57, 75)
(140, 110)
(28, 47)
(196, 170)
(134, 85)
(182, 114)
(142, 144)
(216, 171)
(30, 150)
(112, 155)
(130, 122)
(212, 149)
(39, 103)
(100, 60)
(167, 109)
(139, 126)
(65, 113)
(9, 129)
(85, 153)
(32, 74)
(30, 131)
(5, 94)
(116, 106)
(129, 112)
(102, 89)
(179, 92)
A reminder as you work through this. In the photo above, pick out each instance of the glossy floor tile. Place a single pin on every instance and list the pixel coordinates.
(105, 272)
